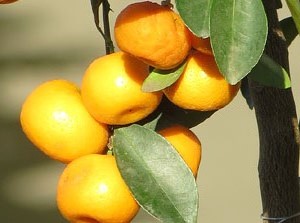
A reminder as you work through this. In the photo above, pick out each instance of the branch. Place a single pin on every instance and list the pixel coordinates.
(278, 134)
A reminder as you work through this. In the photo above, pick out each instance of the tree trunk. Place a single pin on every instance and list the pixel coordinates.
(278, 133)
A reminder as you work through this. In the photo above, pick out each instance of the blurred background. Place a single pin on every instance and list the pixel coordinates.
(43, 40)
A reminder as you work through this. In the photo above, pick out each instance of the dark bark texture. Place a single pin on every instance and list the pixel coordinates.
(278, 133)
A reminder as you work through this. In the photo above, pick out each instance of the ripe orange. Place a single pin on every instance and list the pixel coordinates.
(201, 44)
(111, 90)
(91, 189)
(201, 86)
(153, 33)
(54, 118)
(7, 1)
(186, 143)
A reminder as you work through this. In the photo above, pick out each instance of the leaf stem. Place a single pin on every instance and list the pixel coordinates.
(109, 46)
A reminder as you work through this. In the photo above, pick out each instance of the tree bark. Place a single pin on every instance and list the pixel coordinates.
(278, 133)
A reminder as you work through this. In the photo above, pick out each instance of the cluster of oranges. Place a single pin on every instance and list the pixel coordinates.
(73, 125)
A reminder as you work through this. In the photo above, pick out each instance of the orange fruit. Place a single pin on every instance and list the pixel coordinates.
(91, 189)
(111, 90)
(186, 143)
(201, 44)
(55, 120)
(201, 86)
(7, 1)
(153, 33)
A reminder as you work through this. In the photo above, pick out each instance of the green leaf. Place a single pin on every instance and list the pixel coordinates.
(173, 114)
(160, 79)
(157, 176)
(238, 33)
(152, 124)
(195, 14)
(294, 6)
(270, 73)
(167, 113)
(289, 29)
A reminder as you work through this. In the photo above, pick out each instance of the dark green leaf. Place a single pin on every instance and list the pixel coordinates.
(173, 114)
(156, 174)
(294, 6)
(195, 14)
(246, 92)
(238, 32)
(167, 113)
(269, 73)
(289, 29)
(160, 79)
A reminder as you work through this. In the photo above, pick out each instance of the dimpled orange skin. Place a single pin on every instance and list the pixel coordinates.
(55, 120)
(111, 90)
(152, 33)
(91, 190)
(7, 1)
(201, 86)
(186, 143)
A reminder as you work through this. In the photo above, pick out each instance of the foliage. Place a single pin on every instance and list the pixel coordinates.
(238, 32)
(156, 174)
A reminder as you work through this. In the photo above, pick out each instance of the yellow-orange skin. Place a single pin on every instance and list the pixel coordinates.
(153, 33)
(111, 90)
(186, 143)
(55, 120)
(91, 190)
(7, 1)
(201, 86)
(201, 44)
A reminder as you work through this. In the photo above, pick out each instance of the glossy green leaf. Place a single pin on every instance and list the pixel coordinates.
(270, 73)
(294, 6)
(160, 79)
(195, 14)
(157, 176)
(238, 32)
(289, 29)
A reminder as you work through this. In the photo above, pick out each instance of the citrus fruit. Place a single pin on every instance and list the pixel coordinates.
(153, 33)
(92, 190)
(201, 44)
(111, 90)
(186, 143)
(201, 86)
(54, 118)
(7, 1)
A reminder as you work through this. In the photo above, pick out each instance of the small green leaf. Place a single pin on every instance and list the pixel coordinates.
(238, 33)
(160, 79)
(157, 176)
(270, 73)
(289, 29)
(195, 14)
(294, 6)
